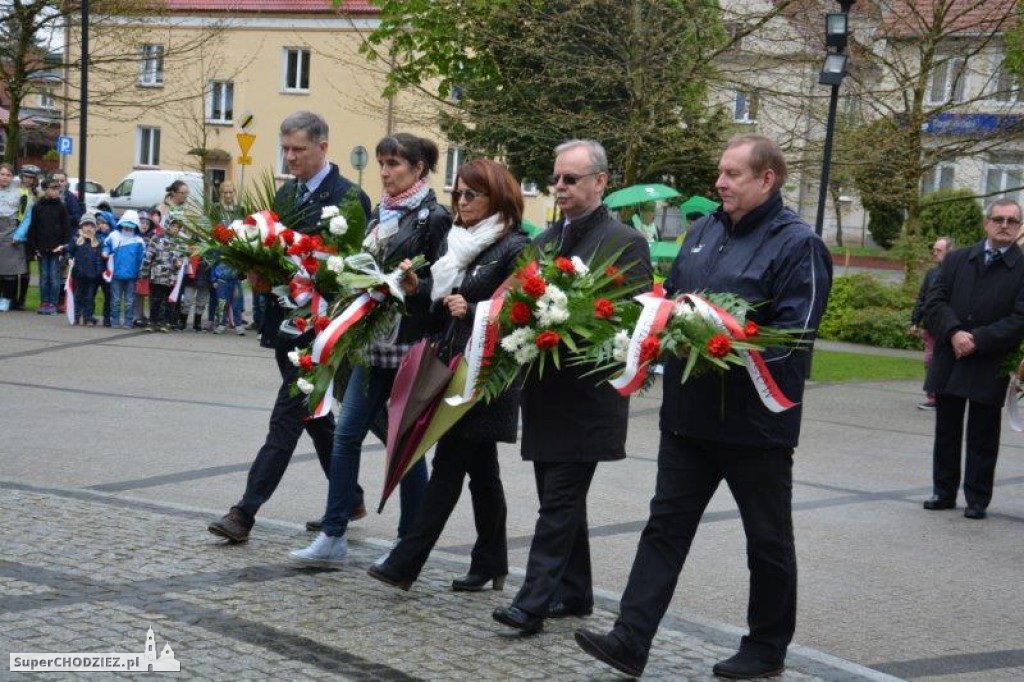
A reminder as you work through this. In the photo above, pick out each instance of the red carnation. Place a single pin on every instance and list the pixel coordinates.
(270, 241)
(649, 348)
(527, 271)
(223, 234)
(548, 339)
(300, 324)
(315, 243)
(320, 323)
(751, 329)
(520, 313)
(603, 309)
(565, 265)
(613, 272)
(310, 264)
(719, 345)
(288, 236)
(535, 286)
(306, 362)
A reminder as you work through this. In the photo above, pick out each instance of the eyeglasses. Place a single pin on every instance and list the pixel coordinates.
(467, 194)
(1004, 220)
(568, 178)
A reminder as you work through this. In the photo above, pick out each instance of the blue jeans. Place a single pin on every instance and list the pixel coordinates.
(367, 392)
(225, 292)
(122, 291)
(49, 278)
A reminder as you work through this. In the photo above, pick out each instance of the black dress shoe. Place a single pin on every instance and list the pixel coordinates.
(608, 649)
(232, 527)
(935, 503)
(744, 666)
(315, 526)
(561, 609)
(476, 583)
(974, 512)
(386, 575)
(515, 617)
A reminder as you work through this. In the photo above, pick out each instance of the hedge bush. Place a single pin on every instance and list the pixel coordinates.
(885, 223)
(862, 309)
(954, 213)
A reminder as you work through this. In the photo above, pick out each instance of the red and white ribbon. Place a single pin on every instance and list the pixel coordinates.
(108, 274)
(69, 293)
(326, 402)
(764, 384)
(326, 340)
(176, 291)
(1013, 397)
(655, 315)
(267, 222)
(482, 342)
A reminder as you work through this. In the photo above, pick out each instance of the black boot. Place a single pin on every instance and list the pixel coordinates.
(197, 323)
(182, 322)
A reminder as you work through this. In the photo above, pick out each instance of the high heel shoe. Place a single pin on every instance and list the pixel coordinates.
(384, 574)
(476, 583)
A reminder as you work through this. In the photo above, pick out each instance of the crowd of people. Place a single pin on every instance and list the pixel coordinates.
(148, 275)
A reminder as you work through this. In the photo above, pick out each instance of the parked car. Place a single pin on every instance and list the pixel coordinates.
(95, 196)
(142, 189)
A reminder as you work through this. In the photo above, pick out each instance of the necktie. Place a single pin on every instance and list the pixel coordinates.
(300, 190)
(993, 256)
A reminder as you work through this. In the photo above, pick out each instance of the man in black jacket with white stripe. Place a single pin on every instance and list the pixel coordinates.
(716, 427)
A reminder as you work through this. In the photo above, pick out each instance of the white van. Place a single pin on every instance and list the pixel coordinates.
(143, 189)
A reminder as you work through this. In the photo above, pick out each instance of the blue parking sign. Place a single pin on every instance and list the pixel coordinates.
(64, 145)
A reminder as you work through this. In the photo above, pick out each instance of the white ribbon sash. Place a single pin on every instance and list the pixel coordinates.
(481, 345)
(1013, 404)
(176, 291)
(69, 293)
(653, 318)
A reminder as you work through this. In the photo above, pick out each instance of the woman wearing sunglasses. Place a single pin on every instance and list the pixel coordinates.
(407, 222)
(480, 253)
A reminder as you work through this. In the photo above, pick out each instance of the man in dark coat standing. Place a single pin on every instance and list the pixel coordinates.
(570, 421)
(315, 184)
(941, 247)
(975, 310)
(716, 427)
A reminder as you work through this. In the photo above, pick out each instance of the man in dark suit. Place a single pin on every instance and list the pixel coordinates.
(715, 426)
(940, 248)
(570, 421)
(315, 184)
(975, 310)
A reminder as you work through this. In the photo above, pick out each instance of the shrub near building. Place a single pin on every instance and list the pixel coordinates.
(862, 309)
(952, 213)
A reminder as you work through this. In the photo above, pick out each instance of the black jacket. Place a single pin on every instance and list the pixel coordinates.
(499, 419)
(304, 216)
(988, 302)
(569, 417)
(50, 226)
(917, 314)
(773, 259)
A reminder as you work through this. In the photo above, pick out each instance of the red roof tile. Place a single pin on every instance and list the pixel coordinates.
(961, 17)
(276, 6)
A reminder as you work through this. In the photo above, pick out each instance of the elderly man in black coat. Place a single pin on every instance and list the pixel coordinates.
(570, 421)
(975, 310)
(316, 184)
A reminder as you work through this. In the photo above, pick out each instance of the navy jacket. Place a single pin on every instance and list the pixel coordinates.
(773, 259)
(304, 215)
(988, 302)
(917, 314)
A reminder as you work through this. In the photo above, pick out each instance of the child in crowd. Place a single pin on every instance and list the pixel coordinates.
(87, 252)
(225, 282)
(125, 251)
(195, 292)
(105, 222)
(142, 285)
(48, 235)
(164, 256)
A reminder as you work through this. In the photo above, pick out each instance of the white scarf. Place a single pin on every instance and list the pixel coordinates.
(464, 245)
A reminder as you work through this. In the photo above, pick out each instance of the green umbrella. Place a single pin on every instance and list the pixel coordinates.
(664, 250)
(698, 204)
(639, 194)
(531, 229)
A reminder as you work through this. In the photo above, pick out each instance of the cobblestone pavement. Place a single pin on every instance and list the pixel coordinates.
(87, 572)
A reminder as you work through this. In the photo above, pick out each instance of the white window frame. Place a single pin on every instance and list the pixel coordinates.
(940, 176)
(147, 146)
(1005, 170)
(303, 58)
(954, 79)
(47, 100)
(1002, 86)
(454, 157)
(220, 102)
(742, 111)
(151, 67)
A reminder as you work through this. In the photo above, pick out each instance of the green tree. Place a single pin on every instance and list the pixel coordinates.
(954, 213)
(516, 77)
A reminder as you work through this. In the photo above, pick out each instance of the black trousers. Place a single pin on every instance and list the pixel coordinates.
(689, 472)
(104, 286)
(558, 568)
(983, 423)
(287, 421)
(455, 457)
(161, 311)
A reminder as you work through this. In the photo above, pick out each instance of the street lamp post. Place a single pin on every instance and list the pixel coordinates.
(837, 31)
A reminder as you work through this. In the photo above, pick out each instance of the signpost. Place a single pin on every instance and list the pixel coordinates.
(245, 142)
(65, 145)
(359, 158)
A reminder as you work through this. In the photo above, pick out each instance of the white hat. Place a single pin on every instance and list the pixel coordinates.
(129, 217)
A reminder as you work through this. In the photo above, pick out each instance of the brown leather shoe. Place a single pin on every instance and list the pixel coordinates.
(233, 527)
(358, 512)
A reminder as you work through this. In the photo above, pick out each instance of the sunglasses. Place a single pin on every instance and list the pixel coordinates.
(568, 178)
(1005, 220)
(467, 194)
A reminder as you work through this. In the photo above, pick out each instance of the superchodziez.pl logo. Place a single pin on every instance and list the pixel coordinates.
(147, 661)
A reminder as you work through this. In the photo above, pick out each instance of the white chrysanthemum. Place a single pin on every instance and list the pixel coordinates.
(553, 296)
(305, 386)
(685, 311)
(526, 353)
(336, 264)
(620, 344)
(245, 231)
(520, 337)
(339, 225)
(580, 266)
(293, 356)
(328, 212)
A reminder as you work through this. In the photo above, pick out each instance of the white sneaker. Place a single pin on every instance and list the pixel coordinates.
(219, 329)
(325, 551)
(240, 330)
